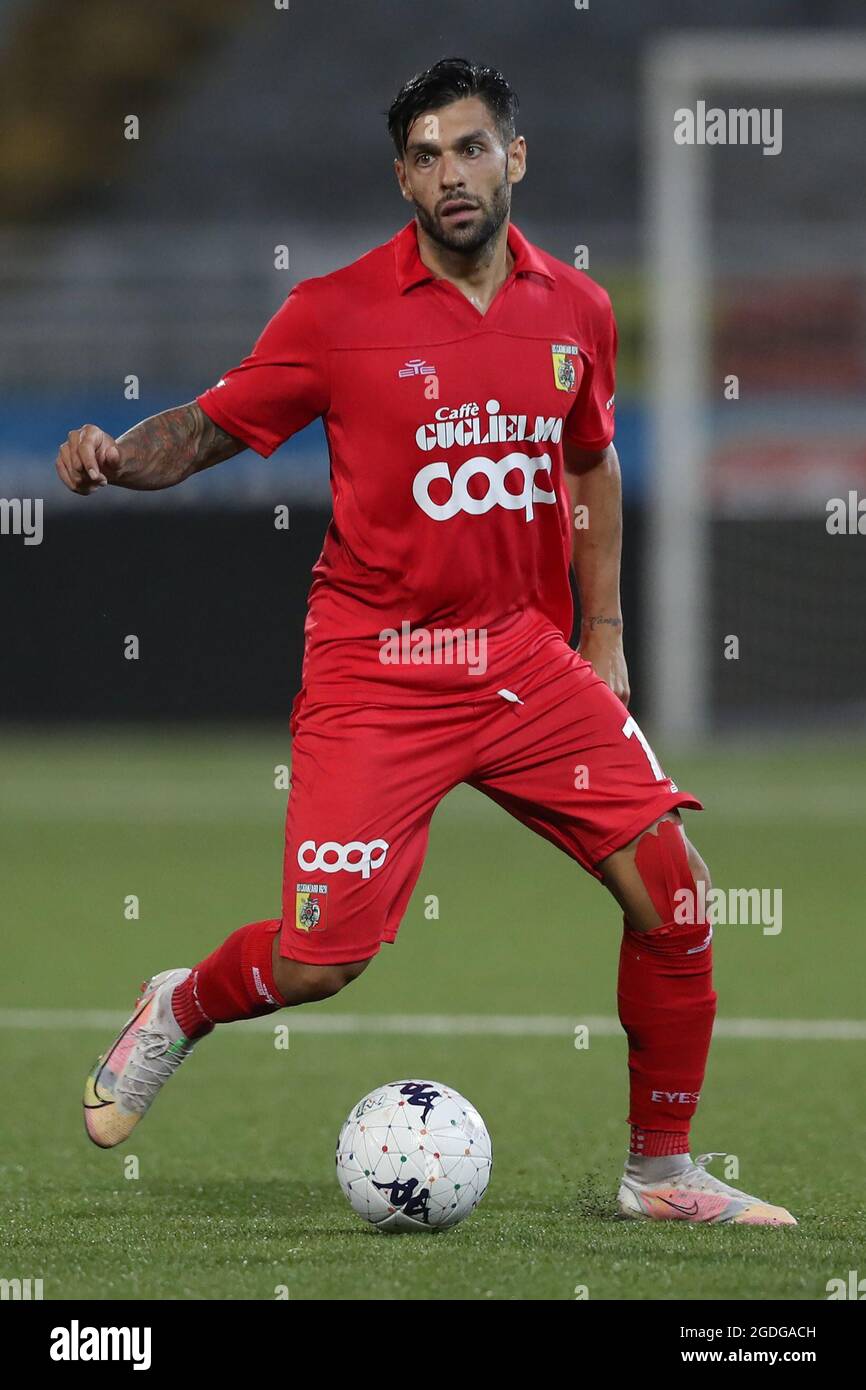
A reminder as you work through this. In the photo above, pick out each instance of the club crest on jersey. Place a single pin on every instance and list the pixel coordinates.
(563, 367)
(311, 900)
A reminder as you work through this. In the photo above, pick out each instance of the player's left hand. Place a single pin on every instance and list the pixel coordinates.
(602, 648)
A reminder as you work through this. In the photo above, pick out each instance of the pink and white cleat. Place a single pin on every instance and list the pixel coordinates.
(125, 1080)
(693, 1194)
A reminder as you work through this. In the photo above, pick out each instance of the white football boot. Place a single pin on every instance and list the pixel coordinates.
(693, 1194)
(126, 1079)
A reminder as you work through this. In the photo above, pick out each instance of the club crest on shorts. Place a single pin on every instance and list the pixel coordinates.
(564, 373)
(311, 901)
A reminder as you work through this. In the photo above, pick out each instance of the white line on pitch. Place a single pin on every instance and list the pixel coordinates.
(454, 1025)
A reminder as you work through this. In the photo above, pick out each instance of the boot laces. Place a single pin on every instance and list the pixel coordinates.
(702, 1159)
(150, 1068)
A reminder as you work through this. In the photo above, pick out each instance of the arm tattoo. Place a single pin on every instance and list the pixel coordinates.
(614, 622)
(164, 449)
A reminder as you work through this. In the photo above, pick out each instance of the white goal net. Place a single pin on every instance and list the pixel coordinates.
(756, 570)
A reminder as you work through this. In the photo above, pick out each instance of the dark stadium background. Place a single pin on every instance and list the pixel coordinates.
(154, 257)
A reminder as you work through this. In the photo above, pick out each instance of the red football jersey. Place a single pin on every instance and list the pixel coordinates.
(445, 429)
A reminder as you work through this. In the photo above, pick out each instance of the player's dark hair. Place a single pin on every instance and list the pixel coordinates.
(449, 80)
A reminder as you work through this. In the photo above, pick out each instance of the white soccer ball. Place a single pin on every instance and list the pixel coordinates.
(414, 1156)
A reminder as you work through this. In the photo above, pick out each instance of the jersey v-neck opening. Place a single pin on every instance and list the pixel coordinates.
(480, 316)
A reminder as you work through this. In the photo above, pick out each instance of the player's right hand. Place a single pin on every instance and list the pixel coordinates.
(88, 459)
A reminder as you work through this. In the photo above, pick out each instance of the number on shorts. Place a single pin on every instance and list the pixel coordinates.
(630, 727)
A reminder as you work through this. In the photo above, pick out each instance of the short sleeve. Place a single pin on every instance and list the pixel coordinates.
(590, 422)
(280, 387)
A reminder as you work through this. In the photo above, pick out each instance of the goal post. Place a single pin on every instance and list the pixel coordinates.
(682, 70)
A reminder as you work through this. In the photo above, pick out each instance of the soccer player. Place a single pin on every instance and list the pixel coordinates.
(466, 383)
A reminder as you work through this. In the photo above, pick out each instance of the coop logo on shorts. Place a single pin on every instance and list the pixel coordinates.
(496, 493)
(353, 858)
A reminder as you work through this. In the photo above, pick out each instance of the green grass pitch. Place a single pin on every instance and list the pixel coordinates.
(235, 1195)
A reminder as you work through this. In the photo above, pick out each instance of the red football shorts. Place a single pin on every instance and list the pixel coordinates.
(564, 757)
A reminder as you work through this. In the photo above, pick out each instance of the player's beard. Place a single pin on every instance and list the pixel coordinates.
(469, 240)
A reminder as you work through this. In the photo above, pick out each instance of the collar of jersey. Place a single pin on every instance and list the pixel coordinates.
(411, 270)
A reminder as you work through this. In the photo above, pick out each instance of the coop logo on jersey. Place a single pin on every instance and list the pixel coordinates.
(564, 374)
(353, 858)
(493, 478)
(311, 901)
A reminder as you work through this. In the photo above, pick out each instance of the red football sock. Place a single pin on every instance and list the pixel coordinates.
(236, 981)
(657, 1143)
(666, 1006)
